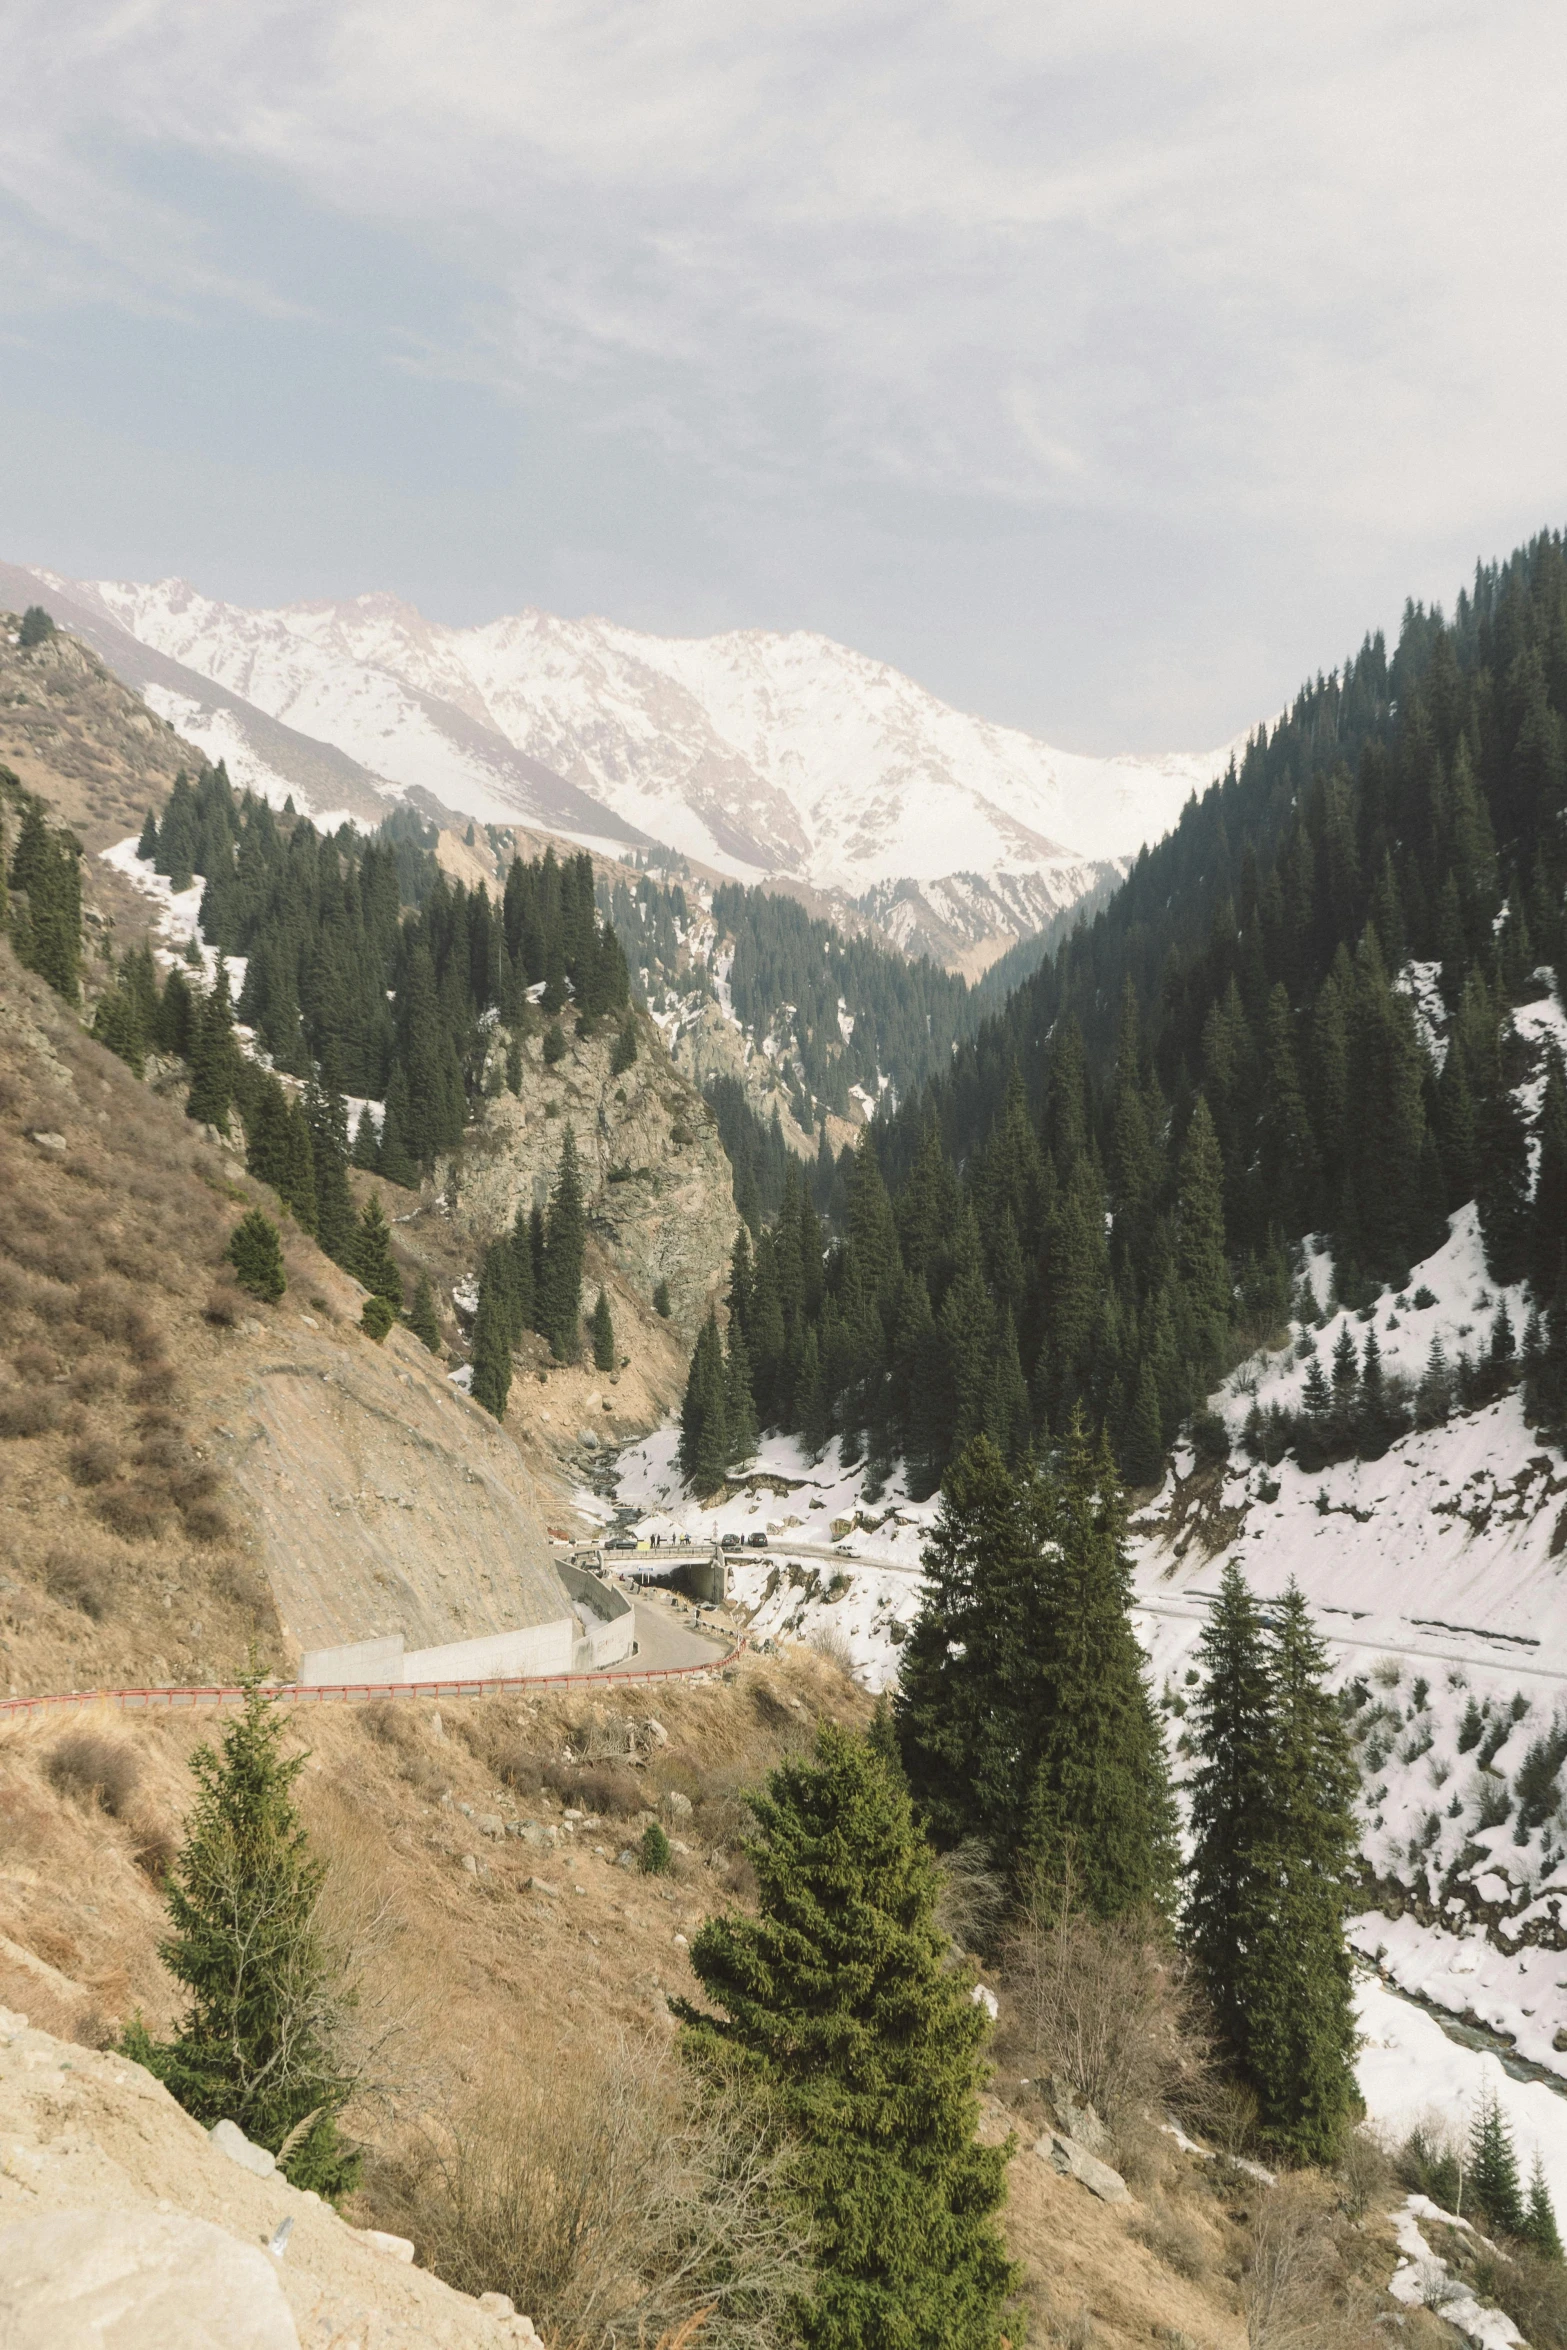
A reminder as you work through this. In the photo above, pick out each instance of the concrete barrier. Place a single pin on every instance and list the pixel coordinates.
(494, 1656)
(605, 1618)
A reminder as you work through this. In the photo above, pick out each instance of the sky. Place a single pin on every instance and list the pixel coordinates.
(1108, 369)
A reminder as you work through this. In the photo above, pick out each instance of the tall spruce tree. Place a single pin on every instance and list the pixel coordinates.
(1299, 2010)
(602, 1329)
(1493, 2167)
(1231, 1799)
(559, 1300)
(373, 1261)
(837, 2002)
(258, 2043)
(214, 1057)
(491, 1356)
(704, 1419)
(1100, 1811)
(421, 1315)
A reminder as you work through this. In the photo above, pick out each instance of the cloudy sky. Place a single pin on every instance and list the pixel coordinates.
(1107, 367)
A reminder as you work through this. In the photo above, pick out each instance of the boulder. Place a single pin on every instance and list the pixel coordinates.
(231, 2140)
(137, 2280)
(1075, 2162)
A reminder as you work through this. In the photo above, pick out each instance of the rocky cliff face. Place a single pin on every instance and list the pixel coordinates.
(657, 1184)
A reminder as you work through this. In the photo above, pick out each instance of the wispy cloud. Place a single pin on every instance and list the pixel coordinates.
(1264, 270)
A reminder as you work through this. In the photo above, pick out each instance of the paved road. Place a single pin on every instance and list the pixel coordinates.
(665, 1639)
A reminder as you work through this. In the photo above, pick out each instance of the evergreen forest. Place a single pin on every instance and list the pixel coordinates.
(1295, 1017)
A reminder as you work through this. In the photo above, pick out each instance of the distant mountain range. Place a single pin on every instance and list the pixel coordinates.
(765, 757)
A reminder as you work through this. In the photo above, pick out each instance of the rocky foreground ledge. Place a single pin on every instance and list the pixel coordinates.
(123, 2222)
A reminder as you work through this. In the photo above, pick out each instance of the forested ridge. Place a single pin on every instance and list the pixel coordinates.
(1093, 1208)
(840, 1011)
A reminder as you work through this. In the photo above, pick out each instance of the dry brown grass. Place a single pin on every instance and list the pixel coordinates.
(107, 1251)
(1296, 2290)
(610, 2198)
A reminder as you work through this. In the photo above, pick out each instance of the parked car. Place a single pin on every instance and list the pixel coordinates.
(729, 1542)
(756, 1541)
(623, 1542)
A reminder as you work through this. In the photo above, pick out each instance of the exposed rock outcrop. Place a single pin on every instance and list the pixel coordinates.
(121, 2221)
(659, 1191)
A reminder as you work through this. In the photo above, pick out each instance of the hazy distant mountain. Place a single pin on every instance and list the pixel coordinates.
(765, 756)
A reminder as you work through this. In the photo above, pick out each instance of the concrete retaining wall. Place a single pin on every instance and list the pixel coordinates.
(495, 1656)
(606, 1623)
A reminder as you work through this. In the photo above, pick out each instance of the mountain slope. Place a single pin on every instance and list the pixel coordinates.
(760, 754)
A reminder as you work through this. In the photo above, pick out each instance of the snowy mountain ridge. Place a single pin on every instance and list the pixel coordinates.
(765, 756)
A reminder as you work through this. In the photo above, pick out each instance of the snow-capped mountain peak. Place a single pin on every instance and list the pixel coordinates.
(764, 755)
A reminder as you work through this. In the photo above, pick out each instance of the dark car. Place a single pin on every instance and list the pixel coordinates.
(729, 1542)
(624, 1543)
(756, 1541)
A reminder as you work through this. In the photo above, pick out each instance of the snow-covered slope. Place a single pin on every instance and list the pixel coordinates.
(760, 754)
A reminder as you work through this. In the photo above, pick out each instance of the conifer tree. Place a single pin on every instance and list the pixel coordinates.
(1100, 1811)
(739, 1410)
(256, 1255)
(1493, 2167)
(491, 1383)
(704, 1435)
(1142, 1446)
(394, 1157)
(1298, 2002)
(1539, 2221)
(214, 1058)
(147, 845)
(327, 1119)
(1230, 1802)
(117, 1023)
(373, 1261)
(603, 1333)
(522, 1273)
(367, 1143)
(559, 1301)
(256, 2042)
(837, 2002)
(421, 1315)
(1200, 1235)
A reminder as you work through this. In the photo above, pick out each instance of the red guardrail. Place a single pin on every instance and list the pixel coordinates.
(345, 1692)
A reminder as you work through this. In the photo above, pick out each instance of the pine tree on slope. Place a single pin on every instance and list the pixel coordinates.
(421, 1315)
(373, 1261)
(603, 1332)
(837, 2000)
(491, 1384)
(1493, 2168)
(1299, 2011)
(1100, 1811)
(559, 1301)
(1230, 1802)
(255, 2043)
(1539, 2222)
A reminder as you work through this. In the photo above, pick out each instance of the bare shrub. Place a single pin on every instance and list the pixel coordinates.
(222, 1306)
(1174, 2240)
(1365, 2171)
(157, 1383)
(244, 1586)
(35, 1363)
(831, 1644)
(615, 1792)
(27, 1411)
(205, 1521)
(973, 1896)
(97, 1769)
(153, 1848)
(520, 1770)
(94, 1461)
(612, 2200)
(131, 1511)
(76, 1580)
(110, 1308)
(94, 1376)
(1104, 2008)
(1294, 2290)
